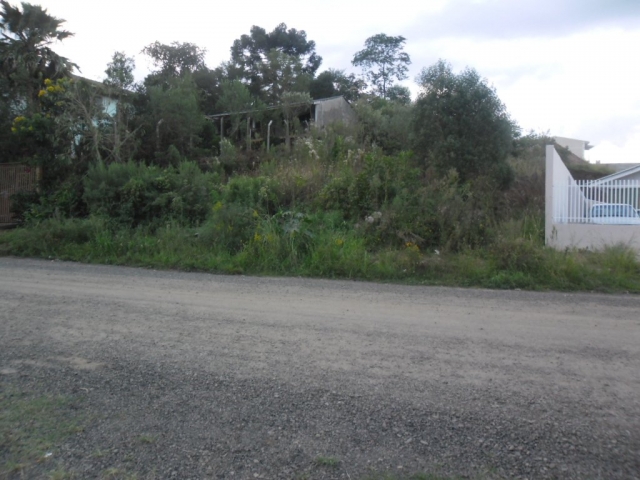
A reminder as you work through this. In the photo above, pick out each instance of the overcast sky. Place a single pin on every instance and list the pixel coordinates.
(567, 67)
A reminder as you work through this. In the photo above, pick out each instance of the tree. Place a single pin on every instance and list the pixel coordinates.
(460, 123)
(282, 73)
(176, 59)
(399, 94)
(334, 82)
(258, 58)
(385, 123)
(26, 58)
(235, 97)
(383, 61)
(120, 71)
(175, 114)
(209, 83)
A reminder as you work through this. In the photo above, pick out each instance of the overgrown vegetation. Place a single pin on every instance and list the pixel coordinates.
(443, 190)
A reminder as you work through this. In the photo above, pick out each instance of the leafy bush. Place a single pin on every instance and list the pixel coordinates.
(133, 194)
(63, 202)
(260, 193)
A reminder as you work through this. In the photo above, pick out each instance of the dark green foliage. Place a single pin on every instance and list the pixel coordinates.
(174, 115)
(176, 59)
(461, 124)
(261, 59)
(400, 94)
(26, 59)
(332, 82)
(65, 201)
(255, 192)
(133, 194)
(384, 123)
(120, 71)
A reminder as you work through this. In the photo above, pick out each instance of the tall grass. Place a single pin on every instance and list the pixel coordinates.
(323, 246)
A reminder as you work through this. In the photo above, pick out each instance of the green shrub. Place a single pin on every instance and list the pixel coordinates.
(63, 202)
(230, 226)
(133, 194)
(259, 193)
(518, 255)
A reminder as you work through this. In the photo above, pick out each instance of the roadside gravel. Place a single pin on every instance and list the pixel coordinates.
(182, 375)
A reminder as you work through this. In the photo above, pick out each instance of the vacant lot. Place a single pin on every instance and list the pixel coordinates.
(110, 372)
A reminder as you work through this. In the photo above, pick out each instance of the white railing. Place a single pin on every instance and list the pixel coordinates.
(585, 201)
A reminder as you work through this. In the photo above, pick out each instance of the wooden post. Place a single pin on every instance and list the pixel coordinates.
(248, 133)
(38, 179)
(288, 139)
(221, 132)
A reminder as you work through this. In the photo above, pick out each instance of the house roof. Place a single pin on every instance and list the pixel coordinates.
(106, 90)
(618, 175)
(329, 98)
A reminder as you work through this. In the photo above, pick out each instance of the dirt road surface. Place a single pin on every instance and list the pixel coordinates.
(185, 375)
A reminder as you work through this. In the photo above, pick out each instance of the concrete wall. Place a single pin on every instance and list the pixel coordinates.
(109, 106)
(333, 110)
(618, 167)
(559, 204)
(593, 237)
(634, 176)
(577, 235)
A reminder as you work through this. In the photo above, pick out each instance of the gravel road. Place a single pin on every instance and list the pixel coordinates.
(186, 375)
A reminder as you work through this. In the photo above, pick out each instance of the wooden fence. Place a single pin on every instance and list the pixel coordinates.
(14, 178)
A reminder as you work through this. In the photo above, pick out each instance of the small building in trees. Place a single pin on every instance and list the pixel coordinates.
(575, 146)
(279, 123)
(330, 110)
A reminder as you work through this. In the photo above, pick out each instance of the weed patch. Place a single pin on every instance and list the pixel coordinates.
(31, 427)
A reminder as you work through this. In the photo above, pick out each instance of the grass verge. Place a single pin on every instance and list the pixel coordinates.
(331, 253)
(31, 427)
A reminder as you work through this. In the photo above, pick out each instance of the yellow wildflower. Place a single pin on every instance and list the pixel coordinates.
(14, 129)
(412, 246)
(19, 119)
(42, 93)
(217, 207)
(257, 237)
(47, 81)
(339, 242)
(255, 214)
(51, 89)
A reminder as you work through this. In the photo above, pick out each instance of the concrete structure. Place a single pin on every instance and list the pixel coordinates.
(107, 96)
(331, 110)
(559, 203)
(618, 167)
(321, 113)
(577, 147)
(631, 173)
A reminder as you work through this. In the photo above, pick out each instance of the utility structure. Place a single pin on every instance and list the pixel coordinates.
(321, 112)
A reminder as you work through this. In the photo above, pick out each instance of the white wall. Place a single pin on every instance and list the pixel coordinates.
(577, 235)
(110, 106)
(594, 237)
(576, 146)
